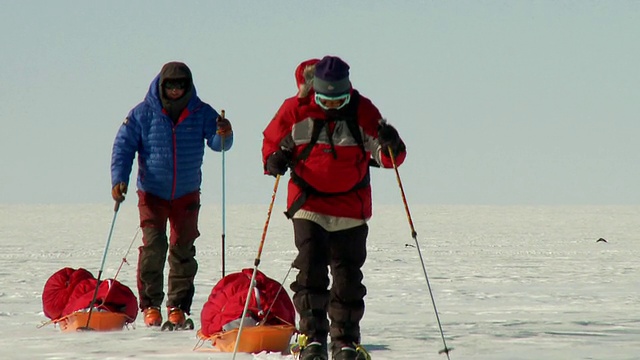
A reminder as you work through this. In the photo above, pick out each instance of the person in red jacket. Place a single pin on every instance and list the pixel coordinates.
(328, 138)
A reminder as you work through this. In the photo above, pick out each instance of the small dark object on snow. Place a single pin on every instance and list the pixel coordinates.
(169, 326)
(601, 240)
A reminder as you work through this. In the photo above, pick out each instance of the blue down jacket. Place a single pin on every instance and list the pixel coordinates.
(169, 156)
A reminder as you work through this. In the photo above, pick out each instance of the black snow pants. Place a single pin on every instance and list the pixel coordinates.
(344, 252)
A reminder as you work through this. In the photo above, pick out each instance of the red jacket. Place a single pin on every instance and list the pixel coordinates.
(333, 166)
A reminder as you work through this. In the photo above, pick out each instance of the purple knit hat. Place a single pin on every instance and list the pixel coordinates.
(331, 77)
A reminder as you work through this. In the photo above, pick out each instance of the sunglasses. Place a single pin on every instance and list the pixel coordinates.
(322, 101)
(175, 84)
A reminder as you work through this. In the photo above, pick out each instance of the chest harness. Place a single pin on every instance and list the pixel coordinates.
(349, 117)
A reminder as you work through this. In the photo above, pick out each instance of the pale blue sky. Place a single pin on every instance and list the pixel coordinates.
(499, 102)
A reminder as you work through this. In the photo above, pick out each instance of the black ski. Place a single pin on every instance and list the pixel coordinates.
(169, 326)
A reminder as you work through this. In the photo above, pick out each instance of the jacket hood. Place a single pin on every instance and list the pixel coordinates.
(154, 94)
(174, 70)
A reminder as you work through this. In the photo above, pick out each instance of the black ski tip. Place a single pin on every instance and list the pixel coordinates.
(445, 351)
(169, 326)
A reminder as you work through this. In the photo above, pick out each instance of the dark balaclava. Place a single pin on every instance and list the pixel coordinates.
(175, 71)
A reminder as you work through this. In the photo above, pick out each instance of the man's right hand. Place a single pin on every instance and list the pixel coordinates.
(278, 162)
(118, 192)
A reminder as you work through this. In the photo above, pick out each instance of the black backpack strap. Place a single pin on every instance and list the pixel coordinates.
(315, 134)
(357, 135)
(296, 205)
(352, 121)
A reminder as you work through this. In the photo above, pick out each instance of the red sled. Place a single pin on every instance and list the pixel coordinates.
(68, 293)
(269, 324)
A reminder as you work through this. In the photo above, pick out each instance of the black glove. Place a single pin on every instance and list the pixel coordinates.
(388, 137)
(278, 162)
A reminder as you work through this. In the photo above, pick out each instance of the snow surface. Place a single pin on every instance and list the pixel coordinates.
(509, 282)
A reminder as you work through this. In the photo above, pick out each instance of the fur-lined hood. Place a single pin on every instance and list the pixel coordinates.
(304, 76)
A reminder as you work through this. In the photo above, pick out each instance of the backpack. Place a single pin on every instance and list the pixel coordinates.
(350, 117)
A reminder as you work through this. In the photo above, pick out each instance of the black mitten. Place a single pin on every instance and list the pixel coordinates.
(388, 138)
(278, 162)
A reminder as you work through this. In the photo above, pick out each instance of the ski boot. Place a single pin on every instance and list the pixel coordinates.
(152, 316)
(348, 351)
(310, 349)
(177, 320)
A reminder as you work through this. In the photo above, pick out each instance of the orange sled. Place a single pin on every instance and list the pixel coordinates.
(255, 339)
(100, 321)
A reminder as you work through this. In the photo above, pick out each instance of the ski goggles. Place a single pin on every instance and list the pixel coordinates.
(175, 84)
(332, 102)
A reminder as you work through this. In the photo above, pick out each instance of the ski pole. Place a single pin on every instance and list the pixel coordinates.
(223, 200)
(414, 235)
(256, 263)
(104, 257)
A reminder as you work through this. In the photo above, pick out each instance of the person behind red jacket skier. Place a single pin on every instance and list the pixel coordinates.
(168, 131)
(327, 139)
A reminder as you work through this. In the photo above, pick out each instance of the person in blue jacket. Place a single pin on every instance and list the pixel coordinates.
(168, 131)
